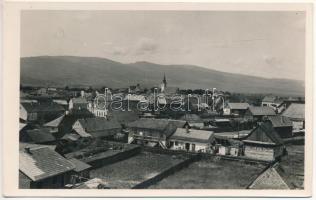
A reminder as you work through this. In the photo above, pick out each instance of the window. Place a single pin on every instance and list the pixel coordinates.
(176, 143)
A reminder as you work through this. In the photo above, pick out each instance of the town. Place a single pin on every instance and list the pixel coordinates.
(162, 137)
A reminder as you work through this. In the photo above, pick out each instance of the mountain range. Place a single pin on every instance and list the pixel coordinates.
(60, 71)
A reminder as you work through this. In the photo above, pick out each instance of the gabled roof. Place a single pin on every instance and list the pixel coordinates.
(280, 121)
(295, 111)
(22, 125)
(79, 165)
(270, 99)
(42, 162)
(71, 137)
(238, 106)
(162, 125)
(40, 135)
(56, 122)
(42, 107)
(261, 111)
(270, 179)
(191, 118)
(98, 124)
(193, 135)
(264, 134)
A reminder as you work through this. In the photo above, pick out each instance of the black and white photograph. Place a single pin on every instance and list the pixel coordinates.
(162, 99)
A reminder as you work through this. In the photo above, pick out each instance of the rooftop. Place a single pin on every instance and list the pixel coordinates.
(192, 135)
(41, 162)
(238, 106)
(261, 110)
(295, 111)
(280, 121)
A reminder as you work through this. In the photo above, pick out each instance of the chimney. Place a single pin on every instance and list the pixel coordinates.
(28, 150)
(187, 129)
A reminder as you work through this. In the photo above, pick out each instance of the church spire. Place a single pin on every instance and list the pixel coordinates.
(164, 79)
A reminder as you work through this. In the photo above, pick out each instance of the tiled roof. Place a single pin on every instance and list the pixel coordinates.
(261, 110)
(42, 107)
(238, 106)
(40, 135)
(79, 165)
(98, 124)
(193, 135)
(124, 117)
(42, 162)
(295, 111)
(280, 121)
(56, 122)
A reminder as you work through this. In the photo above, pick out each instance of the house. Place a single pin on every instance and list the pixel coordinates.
(38, 136)
(40, 112)
(97, 127)
(256, 113)
(150, 132)
(296, 113)
(223, 145)
(123, 117)
(81, 172)
(282, 125)
(190, 140)
(263, 143)
(55, 124)
(42, 167)
(271, 101)
(78, 103)
(193, 119)
(237, 109)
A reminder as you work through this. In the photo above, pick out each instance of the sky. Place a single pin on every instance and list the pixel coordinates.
(265, 44)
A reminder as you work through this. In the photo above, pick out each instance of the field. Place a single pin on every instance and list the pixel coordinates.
(211, 174)
(134, 170)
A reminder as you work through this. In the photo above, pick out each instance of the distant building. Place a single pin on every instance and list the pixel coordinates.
(97, 127)
(194, 120)
(190, 140)
(256, 113)
(151, 132)
(42, 167)
(271, 101)
(282, 125)
(78, 103)
(263, 143)
(296, 113)
(38, 136)
(237, 109)
(40, 112)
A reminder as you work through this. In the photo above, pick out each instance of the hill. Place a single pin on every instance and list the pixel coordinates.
(90, 71)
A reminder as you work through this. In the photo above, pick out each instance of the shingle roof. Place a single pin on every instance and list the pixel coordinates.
(40, 135)
(193, 135)
(98, 124)
(280, 121)
(295, 111)
(270, 179)
(269, 99)
(238, 106)
(261, 110)
(42, 107)
(79, 165)
(161, 125)
(264, 131)
(56, 122)
(42, 162)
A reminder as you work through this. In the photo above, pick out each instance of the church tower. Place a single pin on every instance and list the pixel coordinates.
(163, 85)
